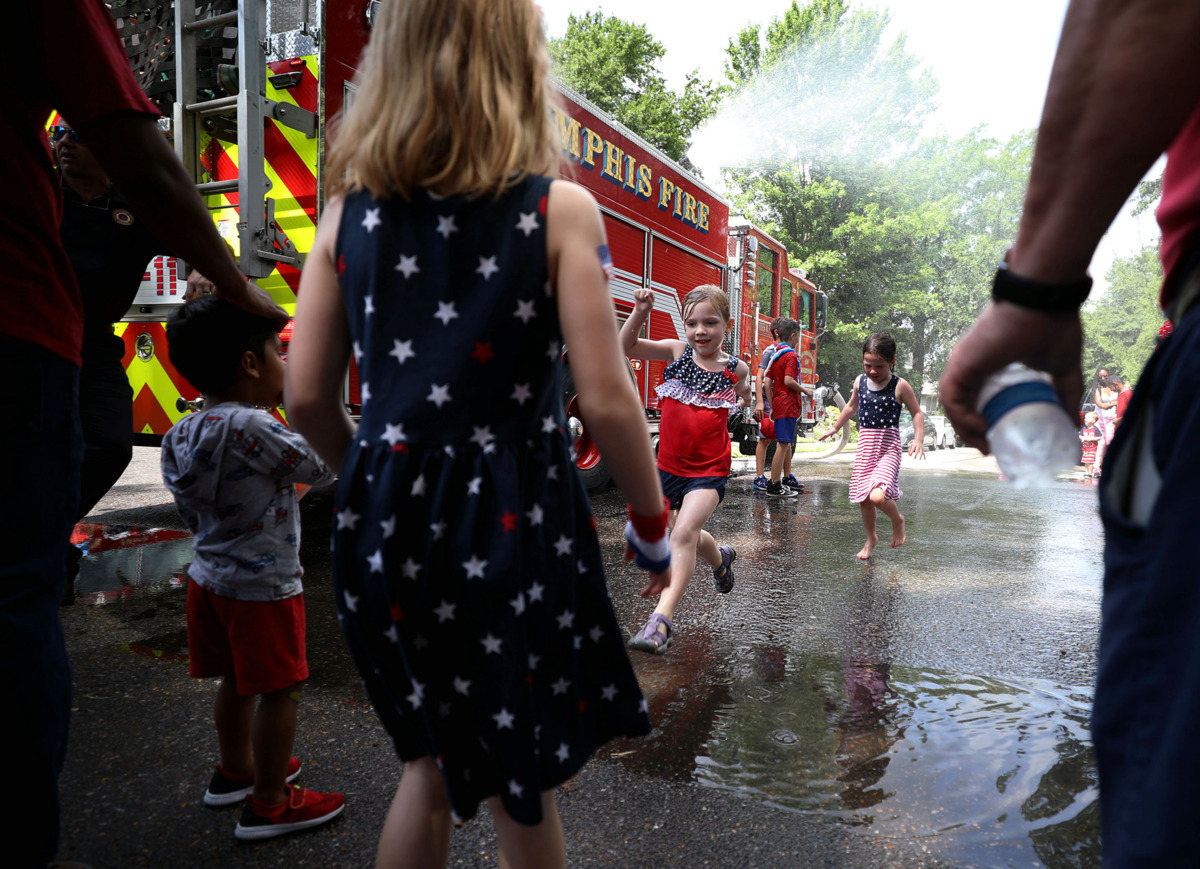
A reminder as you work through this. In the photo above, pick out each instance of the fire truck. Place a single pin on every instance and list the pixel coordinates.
(251, 85)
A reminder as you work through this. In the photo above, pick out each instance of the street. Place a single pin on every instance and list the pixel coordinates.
(928, 708)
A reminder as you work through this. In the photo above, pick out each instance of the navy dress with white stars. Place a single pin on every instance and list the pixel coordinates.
(468, 573)
(877, 454)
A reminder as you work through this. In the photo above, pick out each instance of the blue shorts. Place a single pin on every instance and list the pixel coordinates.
(676, 487)
(785, 430)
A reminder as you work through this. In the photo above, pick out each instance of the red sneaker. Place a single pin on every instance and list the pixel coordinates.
(225, 789)
(302, 809)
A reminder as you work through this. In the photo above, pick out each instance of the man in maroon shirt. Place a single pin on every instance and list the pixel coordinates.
(64, 55)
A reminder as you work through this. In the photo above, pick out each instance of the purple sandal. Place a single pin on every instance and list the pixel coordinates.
(655, 637)
(723, 575)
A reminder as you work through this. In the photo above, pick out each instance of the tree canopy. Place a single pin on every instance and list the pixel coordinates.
(822, 122)
(901, 232)
(615, 65)
(1120, 327)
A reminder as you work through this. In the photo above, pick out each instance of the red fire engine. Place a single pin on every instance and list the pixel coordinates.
(667, 230)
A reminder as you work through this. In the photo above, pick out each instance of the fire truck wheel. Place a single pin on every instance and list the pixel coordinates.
(592, 467)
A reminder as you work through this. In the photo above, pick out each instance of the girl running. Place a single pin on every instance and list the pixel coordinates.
(700, 386)
(875, 482)
(469, 578)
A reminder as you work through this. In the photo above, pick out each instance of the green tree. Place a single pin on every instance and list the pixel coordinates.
(1121, 326)
(902, 233)
(614, 64)
(961, 205)
(821, 102)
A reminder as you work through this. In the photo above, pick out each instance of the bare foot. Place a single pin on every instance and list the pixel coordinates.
(865, 552)
(898, 536)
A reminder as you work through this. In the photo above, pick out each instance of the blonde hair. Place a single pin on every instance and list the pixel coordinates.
(454, 96)
(710, 293)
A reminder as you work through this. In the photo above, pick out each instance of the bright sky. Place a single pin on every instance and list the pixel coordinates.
(992, 59)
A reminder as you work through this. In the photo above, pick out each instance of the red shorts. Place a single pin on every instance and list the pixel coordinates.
(257, 643)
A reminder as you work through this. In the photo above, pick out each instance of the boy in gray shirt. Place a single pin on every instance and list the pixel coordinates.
(233, 469)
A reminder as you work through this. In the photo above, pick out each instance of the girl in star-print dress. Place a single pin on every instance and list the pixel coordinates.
(468, 573)
(701, 385)
(878, 396)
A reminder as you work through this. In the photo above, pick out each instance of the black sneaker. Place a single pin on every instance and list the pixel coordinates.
(228, 790)
(778, 490)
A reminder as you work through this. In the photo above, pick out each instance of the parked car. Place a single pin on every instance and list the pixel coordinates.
(907, 433)
(944, 435)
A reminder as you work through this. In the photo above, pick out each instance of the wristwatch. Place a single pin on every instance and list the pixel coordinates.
(1041, 296)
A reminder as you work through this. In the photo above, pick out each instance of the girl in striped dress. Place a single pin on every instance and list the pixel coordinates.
(878, 396)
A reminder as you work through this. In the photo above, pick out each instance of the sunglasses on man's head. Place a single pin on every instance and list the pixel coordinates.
(58, 131)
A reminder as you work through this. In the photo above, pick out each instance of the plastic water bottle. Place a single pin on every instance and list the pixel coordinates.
(1029, 432)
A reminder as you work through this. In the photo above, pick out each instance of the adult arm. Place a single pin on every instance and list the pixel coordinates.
(1116, 60)
(319, 352)
(136, 155)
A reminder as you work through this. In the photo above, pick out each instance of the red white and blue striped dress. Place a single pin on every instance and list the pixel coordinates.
(877, 459)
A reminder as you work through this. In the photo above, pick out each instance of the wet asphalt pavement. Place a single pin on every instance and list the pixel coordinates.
(925, 709)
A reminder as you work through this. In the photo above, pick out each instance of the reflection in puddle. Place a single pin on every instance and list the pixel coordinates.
(119, 560)
(1002, 773)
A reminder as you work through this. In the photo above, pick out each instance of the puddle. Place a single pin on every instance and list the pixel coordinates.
(849, 691)
(120, 561)
(1000, 774)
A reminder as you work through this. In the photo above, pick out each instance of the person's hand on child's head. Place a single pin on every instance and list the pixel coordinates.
(643, 301)
(198, 286)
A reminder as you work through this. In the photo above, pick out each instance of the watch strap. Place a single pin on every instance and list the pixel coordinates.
(1038, 295)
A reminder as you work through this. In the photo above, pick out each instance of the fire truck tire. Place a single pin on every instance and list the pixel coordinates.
(591, 465)
(838, 445)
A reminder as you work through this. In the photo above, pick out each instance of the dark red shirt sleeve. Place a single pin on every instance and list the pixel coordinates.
(64, 55)
(87, 75)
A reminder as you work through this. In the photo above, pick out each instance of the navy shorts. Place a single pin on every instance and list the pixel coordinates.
(1148, 675)
(676, 487)
(785, 430)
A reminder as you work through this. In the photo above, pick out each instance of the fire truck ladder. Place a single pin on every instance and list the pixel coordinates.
(239, 119)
